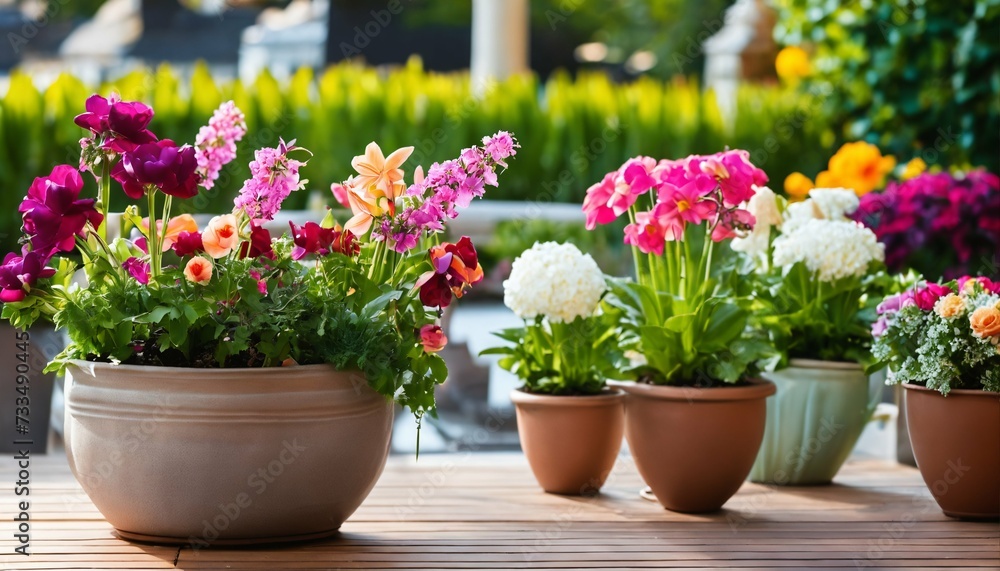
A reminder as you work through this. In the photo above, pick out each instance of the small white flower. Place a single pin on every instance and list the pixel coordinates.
(832, 249)
(555, 280)
(798, 213)
(834, 203)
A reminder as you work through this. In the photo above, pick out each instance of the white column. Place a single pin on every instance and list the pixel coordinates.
(499, 40)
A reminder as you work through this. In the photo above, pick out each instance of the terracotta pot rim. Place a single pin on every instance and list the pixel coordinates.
(607, 396)
(218, 372)
(824, 364)
(758, 388)
(965, 392)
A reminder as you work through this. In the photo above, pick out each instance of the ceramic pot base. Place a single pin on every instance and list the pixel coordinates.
(164, 540)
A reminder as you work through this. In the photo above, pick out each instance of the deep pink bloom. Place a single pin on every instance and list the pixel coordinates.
(652, 230)
(927, 296)
(595, 204)
(686, 204)
(455, 267)
(733, 172)
(138, 269)
(311, 238)
(433, 339)
(273, 176)
(163, 164)
(19, 273)
(54, 214)
(260, 243)
(733, 223)
(215, 145)
(123, 122)
(340, 194)
(261, 283)
(632, 180)
(188, 243)
(986, 283)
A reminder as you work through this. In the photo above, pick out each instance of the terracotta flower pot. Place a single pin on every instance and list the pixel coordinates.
(571, 442)
(956, 442)
(694, 447)
(224, 456)
(813, 422)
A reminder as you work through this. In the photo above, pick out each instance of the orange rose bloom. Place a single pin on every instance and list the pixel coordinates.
(985, 322)
(221, 236)
(198, 270)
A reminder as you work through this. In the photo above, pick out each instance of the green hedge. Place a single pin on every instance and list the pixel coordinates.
(572, 131)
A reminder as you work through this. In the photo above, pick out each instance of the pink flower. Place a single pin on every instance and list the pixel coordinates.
(138, 269)
(686, 204)
(53, 212)
(733, 172)
(215, 145)
(162, 164)
(124, 123)
(733, 223)
(273, 177)
(500, 147)
(927, 296)
(340, 194)
(19, 273)
(261, 283)
(652, 230)
(311, 238)
(260, 243)
(632, 181)
(433, 339)
(595, 204)
(188, 243)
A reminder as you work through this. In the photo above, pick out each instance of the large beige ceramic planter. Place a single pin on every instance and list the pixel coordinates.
(571, 442)
(224, 456)
(693, 446)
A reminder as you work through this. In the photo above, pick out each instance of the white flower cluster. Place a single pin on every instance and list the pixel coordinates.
(555, 280)
(764, 207)
(834, 203)
(833, 249)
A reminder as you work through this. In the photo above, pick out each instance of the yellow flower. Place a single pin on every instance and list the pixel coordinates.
(797, 186)
(859, 166)
(949, 306)
(792, 63)
(915, 167)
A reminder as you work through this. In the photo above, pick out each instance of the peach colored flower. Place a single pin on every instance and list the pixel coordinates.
(221, 236)
(432, 338)
(198, 270)
(366, 207)
(950, 305)
(379, 175)
(177, 224)
(985, 322)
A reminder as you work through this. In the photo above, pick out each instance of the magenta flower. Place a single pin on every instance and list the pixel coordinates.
(733, 172)
(651, 230)
(138, 269)
(686, 204)
(188, 243)
(215, 145)
(260, 243)
(733, 223)
(311, 238)
(19, 273)
(273, 177)
(124, 123)
(595, 204)
(927, 296)
(54, 214)
(163, 164)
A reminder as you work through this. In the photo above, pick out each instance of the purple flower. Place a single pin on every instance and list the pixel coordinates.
(880, 326)
(124, 123)
(500, 147)
(215, 145)
(19, 273)
(273, 177)
(138, 269)
(54, 214)
(894, 303)
(163, 165)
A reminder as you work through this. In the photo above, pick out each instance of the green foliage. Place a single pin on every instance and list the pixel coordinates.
(574, 358)
(940, 353)
(511, 237)
(915, 77)
(575, 130)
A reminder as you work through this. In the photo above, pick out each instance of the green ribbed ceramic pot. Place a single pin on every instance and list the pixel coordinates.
(813, 422)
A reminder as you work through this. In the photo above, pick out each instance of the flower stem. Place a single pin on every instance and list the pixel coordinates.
(103, 197)
(153, 243)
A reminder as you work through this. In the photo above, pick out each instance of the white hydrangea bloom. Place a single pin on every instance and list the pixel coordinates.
(832, 249)
(834, 203)
(764, 207)
(798, 213)
(555, 280)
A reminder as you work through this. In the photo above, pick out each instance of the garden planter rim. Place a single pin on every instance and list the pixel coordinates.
(958, 392)
(607, 396)
(757, 388)
(217, 372)
(824, 364)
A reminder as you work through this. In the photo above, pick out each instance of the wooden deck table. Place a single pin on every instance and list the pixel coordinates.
(484, 511)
